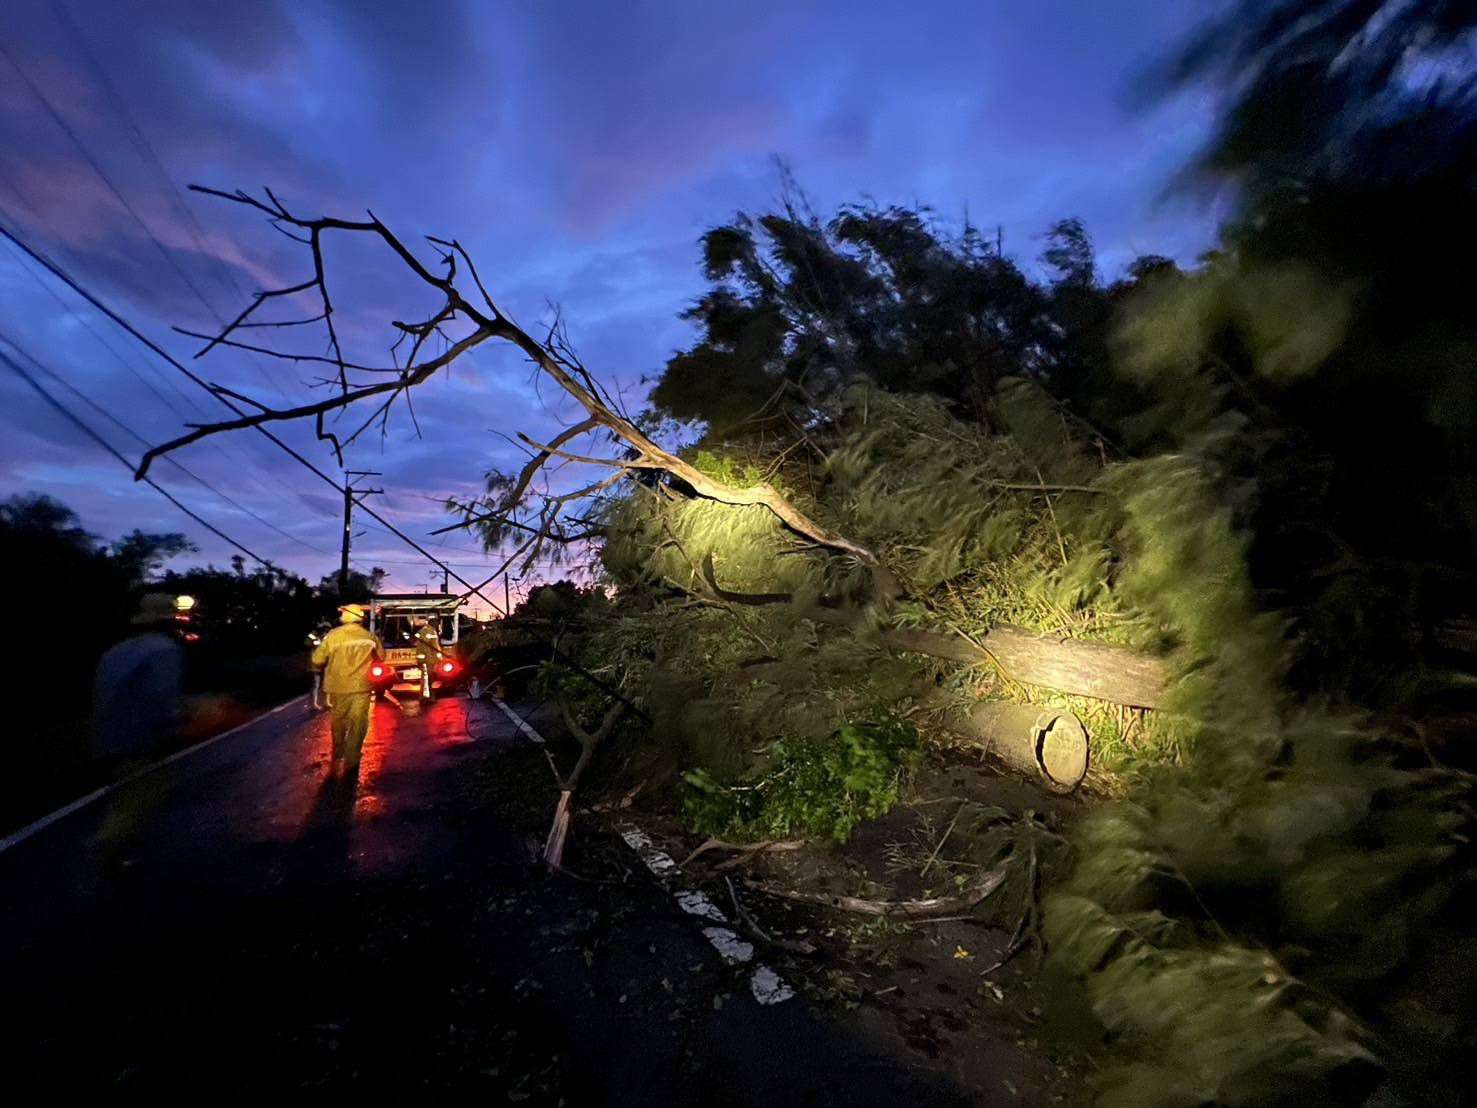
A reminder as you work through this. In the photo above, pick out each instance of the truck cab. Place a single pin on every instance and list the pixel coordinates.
(394, 617)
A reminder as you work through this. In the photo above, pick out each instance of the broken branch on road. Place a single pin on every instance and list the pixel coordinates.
(892, 909)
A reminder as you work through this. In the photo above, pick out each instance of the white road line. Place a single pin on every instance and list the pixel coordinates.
(17, 837)
(766, 985)
(658, 861)
(696, 903)
(46, 821)
(519, 722)
(729, 946)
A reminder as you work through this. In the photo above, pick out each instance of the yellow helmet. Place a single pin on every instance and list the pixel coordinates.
(351, 613)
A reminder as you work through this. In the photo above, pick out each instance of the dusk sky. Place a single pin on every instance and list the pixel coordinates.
(577, 149)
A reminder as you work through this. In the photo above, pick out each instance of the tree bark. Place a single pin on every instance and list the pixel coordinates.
(1099, 670)
(1048, 744)
(894, 909)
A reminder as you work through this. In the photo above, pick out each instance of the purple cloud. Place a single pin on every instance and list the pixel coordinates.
(579, 149)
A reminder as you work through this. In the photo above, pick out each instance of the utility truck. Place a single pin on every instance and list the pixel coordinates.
(417, 660)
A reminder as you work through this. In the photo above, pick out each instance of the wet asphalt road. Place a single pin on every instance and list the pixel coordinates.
(230, 926)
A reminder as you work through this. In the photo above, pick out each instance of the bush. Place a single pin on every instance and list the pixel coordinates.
(809, 787)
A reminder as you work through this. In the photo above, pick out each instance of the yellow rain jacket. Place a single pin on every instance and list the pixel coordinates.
(428, 646)
(344, 656)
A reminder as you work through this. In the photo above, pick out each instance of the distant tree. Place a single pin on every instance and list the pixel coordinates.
(141, 554)
(559, 600)
(267, 611)
(1069, 254)
(37, 516)
(70, 598)
(360, 586)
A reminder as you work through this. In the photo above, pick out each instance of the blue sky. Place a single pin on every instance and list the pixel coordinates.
(578, 149)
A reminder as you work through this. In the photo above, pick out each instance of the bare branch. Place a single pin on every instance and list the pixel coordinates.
(554, 357)
(217, 340)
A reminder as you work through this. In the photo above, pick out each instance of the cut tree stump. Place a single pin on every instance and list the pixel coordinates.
(1047, 743)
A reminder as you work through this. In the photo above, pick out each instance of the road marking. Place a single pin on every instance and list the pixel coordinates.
(658, 861)
(729, 946)
(766, 985)
(696, 903)
(17, 837)
(46, 821)
(519, 722)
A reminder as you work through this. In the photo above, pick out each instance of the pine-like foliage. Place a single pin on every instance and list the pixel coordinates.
(1261, 469)
(1228, 914)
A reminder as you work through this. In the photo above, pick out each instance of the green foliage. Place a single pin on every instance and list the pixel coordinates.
(801, 310)
(808, 787)
(1291, 828)
(1260, 469)
(359, 587)
(724, 467)
(560, 602)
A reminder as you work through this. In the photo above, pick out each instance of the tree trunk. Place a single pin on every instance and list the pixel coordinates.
(1045, 743)
(1113, 673)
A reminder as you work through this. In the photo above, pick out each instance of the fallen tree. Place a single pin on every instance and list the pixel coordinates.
(882, 529)
(541, 519)
(1047, 743)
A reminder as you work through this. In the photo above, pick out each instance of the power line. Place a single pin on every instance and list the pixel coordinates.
(362, 558)
(95, 406)
(72, 283)
(128, 365)
(450, 549)
(102, 341)
(77, 422)
(96, 167)
(146, 148)
(167, 379)
(164, 377)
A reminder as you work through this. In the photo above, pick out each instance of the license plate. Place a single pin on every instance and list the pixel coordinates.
(411, 674)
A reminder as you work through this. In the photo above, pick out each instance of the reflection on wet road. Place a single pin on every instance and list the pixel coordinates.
(132, 916)
(403, 751)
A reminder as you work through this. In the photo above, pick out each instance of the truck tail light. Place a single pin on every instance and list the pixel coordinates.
(376, 671)
(448, 667)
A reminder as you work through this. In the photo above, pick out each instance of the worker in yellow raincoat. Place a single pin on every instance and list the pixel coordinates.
(344, 656)
(428, 653)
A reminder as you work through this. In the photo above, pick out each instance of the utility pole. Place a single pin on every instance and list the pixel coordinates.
(507, 603)
(352, 496)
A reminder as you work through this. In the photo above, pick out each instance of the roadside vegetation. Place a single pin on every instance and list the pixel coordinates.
(1258, 469)
(1222, 513)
